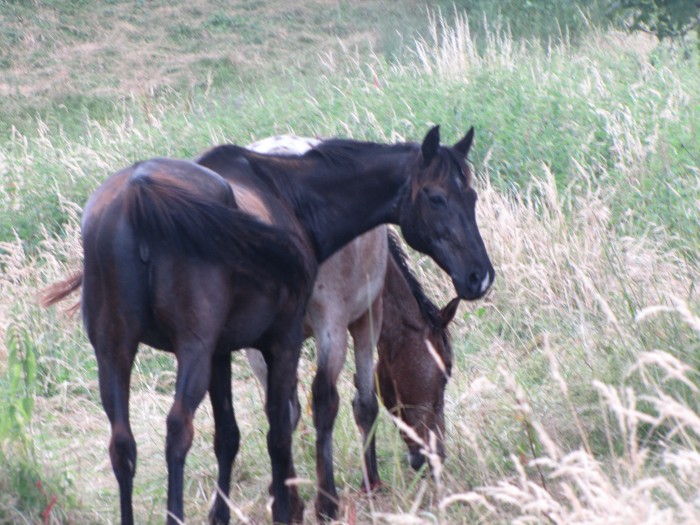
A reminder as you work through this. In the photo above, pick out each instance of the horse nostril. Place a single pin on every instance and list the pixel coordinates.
(486, 282)
(474, 280)
(478, 282)
(416, 460)
(473, 284)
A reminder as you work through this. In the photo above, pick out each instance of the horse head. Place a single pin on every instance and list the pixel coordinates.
(412, 381)
(437, 215)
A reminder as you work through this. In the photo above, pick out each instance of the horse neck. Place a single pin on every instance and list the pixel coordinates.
(351, 198)
(398, 296)
(402, 285)
(402, 323)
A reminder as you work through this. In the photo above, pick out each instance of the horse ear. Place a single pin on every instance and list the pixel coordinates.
(448, 312)
(430, 145)
(464, 145)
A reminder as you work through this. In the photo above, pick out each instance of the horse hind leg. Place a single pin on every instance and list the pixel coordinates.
(365, 334)
(194, 361)
(332, 348)
(114, 361)
(259, 367)
(226, 435)
(287, 506)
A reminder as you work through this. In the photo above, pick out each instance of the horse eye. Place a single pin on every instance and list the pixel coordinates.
(437, 200)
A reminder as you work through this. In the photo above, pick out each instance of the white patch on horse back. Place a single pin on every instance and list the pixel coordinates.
(250, 202)
(486, 282)
(247, 199)
(284, 145)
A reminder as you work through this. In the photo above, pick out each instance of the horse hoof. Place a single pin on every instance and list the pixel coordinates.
(220, 515)
(298, 511)
(326, 510)
(374, 486)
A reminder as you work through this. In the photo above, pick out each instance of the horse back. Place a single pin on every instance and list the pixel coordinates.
(167, 233)
(254, 194)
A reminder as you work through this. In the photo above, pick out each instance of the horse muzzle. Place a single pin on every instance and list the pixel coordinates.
(417, 459)
(474, 285)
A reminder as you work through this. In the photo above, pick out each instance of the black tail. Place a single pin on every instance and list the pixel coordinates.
(170, 217)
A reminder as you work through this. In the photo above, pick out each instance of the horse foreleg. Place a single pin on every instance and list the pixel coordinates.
(365, 334)
(287, 506)
(226, 435)
(114, 364)
(193, 376)
(332, 348)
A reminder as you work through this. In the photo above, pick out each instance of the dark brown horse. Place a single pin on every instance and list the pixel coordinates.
(411, 375)
(169, 260)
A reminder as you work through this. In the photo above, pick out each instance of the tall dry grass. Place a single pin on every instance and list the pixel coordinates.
(564, 406)
(575, 403)
(571, 405)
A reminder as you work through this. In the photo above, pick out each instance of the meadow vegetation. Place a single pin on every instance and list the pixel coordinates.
(574, 396)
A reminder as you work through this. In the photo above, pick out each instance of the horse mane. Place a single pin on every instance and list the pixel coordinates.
(266, 166)
(429, 311)
(339, 153)
(271, 170)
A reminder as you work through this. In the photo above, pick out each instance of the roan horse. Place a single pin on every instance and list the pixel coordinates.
(171, 261)
(350, 294)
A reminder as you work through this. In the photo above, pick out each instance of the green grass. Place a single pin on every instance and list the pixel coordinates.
(586, 157)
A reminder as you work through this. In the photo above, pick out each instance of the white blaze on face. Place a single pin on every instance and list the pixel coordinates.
(486, 282)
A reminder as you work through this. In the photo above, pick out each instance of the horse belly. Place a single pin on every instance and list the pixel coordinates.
(252, 315)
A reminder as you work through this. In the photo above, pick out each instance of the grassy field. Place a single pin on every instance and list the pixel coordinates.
(574, 396)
